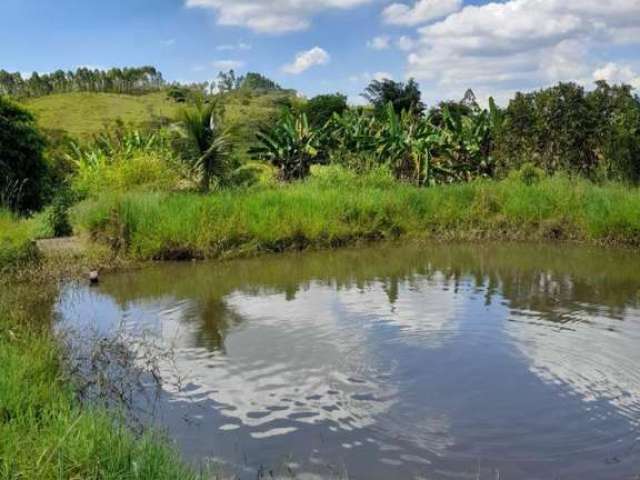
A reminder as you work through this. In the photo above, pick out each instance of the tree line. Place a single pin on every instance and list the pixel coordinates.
(565, 128)
(129, 80)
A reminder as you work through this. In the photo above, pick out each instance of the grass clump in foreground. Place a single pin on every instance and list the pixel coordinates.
(44, 431)
(335, 207)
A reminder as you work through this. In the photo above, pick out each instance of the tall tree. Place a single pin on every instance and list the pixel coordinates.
(403, 96)
(116, 80)
(257, 81)
(320, 109)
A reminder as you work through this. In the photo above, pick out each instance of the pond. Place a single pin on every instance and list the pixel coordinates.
(419, 361)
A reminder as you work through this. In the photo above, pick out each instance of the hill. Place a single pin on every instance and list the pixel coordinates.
(83, 114)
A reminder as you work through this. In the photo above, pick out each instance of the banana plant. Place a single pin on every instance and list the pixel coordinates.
(466, 142)
(292, 146)
(405, 143)
(350, 138)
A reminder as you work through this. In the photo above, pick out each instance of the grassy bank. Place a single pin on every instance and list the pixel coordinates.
(44, 431)
(24, 258)
(17, 247)
(334, 208)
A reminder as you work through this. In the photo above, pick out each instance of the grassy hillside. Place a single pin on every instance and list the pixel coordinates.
(246, 111)
(83, 114)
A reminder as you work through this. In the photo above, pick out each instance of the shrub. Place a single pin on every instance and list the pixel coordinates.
(126, 159)
(528, 174)
(23, 170)
(143, 171)
(58, 216)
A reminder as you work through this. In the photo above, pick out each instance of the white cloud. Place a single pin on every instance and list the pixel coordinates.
(381, 42)
(233, 46)
(228, 64)
(614, 73)
(498, 48)
(366, 77)
(382, 76)
(423, 11)
(405, 43)
(271, 16)
(306, 60)
(169, 42)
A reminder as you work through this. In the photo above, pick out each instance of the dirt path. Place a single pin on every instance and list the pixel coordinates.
(53, 246)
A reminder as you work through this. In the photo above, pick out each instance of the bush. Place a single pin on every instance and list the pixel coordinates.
(58, 216)
(142, 171)
(124, 159)
(23, 171)
(528, 174)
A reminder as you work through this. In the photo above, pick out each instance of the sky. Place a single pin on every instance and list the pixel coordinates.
(326, 46)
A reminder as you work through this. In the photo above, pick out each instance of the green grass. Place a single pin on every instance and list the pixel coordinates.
(44, 432)
(17, 248)
(335, 208)
(82, 115)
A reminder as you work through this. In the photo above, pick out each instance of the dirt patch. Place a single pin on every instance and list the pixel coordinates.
(72, 245)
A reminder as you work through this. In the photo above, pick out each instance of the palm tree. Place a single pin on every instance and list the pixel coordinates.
(200, 124)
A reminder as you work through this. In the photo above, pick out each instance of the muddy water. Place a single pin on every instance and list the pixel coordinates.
(435, 362)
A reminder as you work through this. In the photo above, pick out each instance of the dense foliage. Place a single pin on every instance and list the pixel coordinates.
(23, 171)
(201, 126)
(595, 134)
(123, 158)
(403, 97)
(115, 80)
(321, 108)
(291, 146)
(229, 81)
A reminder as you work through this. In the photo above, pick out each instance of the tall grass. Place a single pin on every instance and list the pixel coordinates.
(334, 207)
(44, 432)
(16, 241)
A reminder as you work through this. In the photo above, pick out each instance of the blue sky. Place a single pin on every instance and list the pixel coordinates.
(448, 45)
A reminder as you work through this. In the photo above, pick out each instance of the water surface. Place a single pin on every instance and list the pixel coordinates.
(432, 361)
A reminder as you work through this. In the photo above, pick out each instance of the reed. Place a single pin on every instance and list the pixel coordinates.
(335, 207)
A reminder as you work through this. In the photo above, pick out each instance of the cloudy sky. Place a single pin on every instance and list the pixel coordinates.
(320, 46)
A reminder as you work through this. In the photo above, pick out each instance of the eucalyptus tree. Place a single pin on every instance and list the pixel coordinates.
(115, 80)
